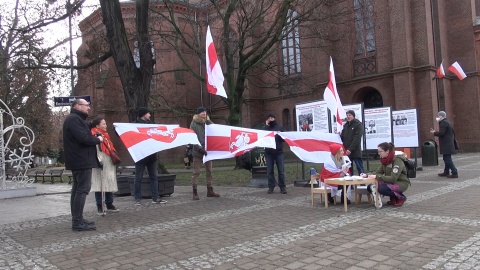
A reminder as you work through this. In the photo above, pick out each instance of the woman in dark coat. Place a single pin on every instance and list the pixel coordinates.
(446, 137)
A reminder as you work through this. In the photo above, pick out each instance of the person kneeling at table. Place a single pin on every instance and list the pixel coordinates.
(391, 175)
(337, 167)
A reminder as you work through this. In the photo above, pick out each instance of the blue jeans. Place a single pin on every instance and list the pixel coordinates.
(108, 198)
(271, 161)
(359, 163)
(152, 174)
(82, 182)
(447, 158)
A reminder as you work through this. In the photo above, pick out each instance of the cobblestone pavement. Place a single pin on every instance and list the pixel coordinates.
(437, 228)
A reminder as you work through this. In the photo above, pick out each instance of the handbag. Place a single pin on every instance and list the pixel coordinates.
(114, 156)
(455, 143)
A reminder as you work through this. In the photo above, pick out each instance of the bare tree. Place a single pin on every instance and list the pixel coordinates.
(251, 35)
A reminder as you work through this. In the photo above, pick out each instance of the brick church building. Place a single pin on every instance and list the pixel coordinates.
(388, 57)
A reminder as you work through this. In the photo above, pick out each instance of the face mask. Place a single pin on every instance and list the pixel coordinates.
(438, 119)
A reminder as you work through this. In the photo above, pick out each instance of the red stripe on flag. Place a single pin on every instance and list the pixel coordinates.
(210, 88)
(310, 145)
(218, 143)
(212, 55)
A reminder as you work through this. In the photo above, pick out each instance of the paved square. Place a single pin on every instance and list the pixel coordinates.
(437, 228)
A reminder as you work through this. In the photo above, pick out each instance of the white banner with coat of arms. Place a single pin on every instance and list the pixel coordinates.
(227, 142)
(142, 140)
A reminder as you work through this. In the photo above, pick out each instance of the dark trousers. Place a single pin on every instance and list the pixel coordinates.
(359, 163)
(108, 198)
(152, 174)
(447, 158)
(82, 182)
(271, 160)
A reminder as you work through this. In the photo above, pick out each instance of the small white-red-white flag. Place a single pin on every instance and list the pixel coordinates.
(143, 140)
(333, 99)
(457, 69)
(440, 71)
(311, 146)
(214, 74)
(223, 141)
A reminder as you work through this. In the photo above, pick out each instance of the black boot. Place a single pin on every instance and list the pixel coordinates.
(195, 195)
(330, 198)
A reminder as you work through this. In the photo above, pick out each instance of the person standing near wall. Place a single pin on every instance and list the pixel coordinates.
(446, 138)
(352, 141)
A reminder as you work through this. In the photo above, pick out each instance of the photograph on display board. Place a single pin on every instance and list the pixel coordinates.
(312, 116)
(405, 128)
(305, 122)
(378, 126)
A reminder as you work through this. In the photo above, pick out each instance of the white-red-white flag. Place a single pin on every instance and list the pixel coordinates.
(457, 69)
(333, 99)
(143, 140)
(440, 71)
(311, 146)
(214, 74)
(223, 141)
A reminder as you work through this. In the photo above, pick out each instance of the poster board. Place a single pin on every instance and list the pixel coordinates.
(312, 116)
(405, 128)
(378, 126)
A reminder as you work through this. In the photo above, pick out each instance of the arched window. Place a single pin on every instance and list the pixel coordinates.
(291, 45)
(364, 27)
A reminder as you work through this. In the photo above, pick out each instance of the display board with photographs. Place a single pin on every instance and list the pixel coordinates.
(312, 116)
(378, 126)
(405, 128)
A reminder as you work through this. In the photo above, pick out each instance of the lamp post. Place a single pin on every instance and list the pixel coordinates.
(68, 8)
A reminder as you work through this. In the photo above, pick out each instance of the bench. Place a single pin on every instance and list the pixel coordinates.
(10, 173)
(37, 174)
(69, 175)
(54, 173)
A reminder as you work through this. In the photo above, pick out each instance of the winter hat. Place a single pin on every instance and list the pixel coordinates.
(442, 114)
(270, 115)
(352, 112)
(334, 148)
(200, 110)
(141, 111)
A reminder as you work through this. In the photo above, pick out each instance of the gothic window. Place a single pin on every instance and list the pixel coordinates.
(291, 45)
(364, 27)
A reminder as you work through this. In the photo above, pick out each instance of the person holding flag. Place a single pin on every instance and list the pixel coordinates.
(198, 125)
(275, 156)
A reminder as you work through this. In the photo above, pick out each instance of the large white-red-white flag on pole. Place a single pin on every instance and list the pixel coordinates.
(311, 146)
(457, 69)
(223, 141)
(143, 140)
(214, 74)
(333, 99)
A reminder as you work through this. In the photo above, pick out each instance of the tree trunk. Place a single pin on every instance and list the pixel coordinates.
(135, 81)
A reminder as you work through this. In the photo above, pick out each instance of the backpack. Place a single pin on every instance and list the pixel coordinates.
(409, 164)
(411, 170)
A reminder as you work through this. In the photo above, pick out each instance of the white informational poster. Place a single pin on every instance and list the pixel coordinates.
(358, 109)
(378, 126)
(312, 116)
(405, 128)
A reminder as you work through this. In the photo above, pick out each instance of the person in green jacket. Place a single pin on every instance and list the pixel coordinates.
(391, 174)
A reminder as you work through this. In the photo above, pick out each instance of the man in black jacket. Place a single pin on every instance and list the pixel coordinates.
(150, 162)
(352, 141)
(275, 156)
(80, 158)
(446, 138)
